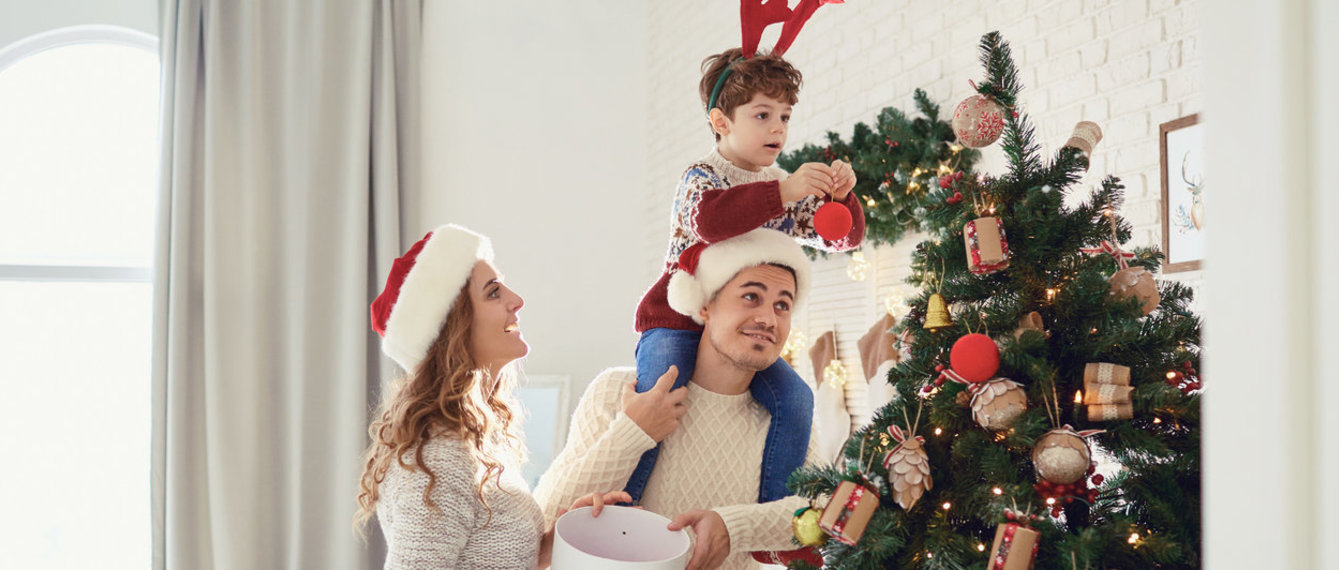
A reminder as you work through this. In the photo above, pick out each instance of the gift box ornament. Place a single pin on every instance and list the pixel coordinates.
(987, 246)
(1136, 282)
(848, 511)
(1106, 373)
(1095, 394)
(997, 402)
(1015, 547)
(1110, 412)
(1085, 137)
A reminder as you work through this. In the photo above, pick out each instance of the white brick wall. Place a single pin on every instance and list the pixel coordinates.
(1129, 65)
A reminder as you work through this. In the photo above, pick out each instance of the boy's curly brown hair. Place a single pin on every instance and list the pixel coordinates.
(763, 73)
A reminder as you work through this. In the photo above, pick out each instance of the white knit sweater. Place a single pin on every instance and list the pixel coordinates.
(711, 462)
(419, 538)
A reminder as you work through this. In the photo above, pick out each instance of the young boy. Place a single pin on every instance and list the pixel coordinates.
(731, 191)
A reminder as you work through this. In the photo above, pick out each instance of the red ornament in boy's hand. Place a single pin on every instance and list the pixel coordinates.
(832, 221)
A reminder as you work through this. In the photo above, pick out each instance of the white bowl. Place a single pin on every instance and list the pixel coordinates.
(621, 537)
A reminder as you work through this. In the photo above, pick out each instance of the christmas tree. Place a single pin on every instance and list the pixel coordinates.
(1034, 330)
(897, 163)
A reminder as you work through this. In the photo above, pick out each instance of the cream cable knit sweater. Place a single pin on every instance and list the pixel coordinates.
(418, 538)
(711, 462)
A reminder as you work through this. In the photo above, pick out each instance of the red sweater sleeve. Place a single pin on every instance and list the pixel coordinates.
(726, 213)
(857, 233)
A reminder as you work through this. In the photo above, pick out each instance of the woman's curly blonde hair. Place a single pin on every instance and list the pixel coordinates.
(448, 394)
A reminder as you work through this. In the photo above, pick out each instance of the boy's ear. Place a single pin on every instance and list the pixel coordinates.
(719, 122)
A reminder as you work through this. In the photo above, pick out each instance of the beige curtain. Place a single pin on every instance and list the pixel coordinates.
(289, 136)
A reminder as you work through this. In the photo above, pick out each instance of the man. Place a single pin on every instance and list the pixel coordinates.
(712, 431)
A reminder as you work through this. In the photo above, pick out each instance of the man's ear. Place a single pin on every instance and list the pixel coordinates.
(719, 122)
(702, 313)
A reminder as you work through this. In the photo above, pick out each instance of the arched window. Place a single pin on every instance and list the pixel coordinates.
(78, 188)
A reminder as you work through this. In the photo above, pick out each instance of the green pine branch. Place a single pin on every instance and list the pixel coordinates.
(1148, 513)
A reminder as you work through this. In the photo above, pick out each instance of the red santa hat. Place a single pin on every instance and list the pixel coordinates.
(421, 289)
(705, 268)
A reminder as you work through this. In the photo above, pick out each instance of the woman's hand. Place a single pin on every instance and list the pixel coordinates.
(656, 411)
(596, 502)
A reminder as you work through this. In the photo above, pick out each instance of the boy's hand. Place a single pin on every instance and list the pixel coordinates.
(810, 179)
(656, 411)
(843, 179)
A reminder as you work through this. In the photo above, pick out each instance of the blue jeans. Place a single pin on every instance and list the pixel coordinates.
(778, 388)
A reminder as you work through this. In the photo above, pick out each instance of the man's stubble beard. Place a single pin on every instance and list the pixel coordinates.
(753, 359)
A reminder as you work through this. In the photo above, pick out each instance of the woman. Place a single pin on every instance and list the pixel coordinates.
(442, 473)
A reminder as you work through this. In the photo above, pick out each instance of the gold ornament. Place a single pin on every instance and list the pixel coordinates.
(805, 526)
(936, 313)
(858, 268)
(835, 373)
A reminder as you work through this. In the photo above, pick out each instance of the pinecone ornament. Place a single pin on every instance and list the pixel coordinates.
(997, 402)
(908, 468)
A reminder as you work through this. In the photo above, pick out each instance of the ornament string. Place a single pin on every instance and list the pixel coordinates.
(1111, 247)
(901, 437)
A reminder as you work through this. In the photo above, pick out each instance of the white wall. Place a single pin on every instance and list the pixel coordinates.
(533, 134)
(1274, 78)
(22, 18)
(1128, 65)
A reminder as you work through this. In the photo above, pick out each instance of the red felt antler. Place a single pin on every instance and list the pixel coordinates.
(756, 15)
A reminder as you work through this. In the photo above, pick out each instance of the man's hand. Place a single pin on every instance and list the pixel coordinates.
(656, 411)
(843, 177)
(713, 539)
(810, 179)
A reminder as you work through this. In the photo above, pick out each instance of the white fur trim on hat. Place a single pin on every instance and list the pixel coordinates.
(721, 261)
(429, 290)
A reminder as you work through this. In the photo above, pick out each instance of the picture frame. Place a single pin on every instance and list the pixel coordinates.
(546, 403)
(1181, 153)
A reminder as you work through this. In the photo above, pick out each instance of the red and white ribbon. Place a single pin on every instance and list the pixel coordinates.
(899, 436)
(1114, 250)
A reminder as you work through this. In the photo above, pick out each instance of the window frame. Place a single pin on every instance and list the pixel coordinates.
(55, 39)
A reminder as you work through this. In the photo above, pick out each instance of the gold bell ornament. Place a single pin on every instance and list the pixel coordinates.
(936, 313)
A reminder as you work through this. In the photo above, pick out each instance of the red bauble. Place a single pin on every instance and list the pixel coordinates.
(975, 357)
(832, 221)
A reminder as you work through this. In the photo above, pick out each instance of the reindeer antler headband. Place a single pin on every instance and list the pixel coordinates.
(754, 17)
